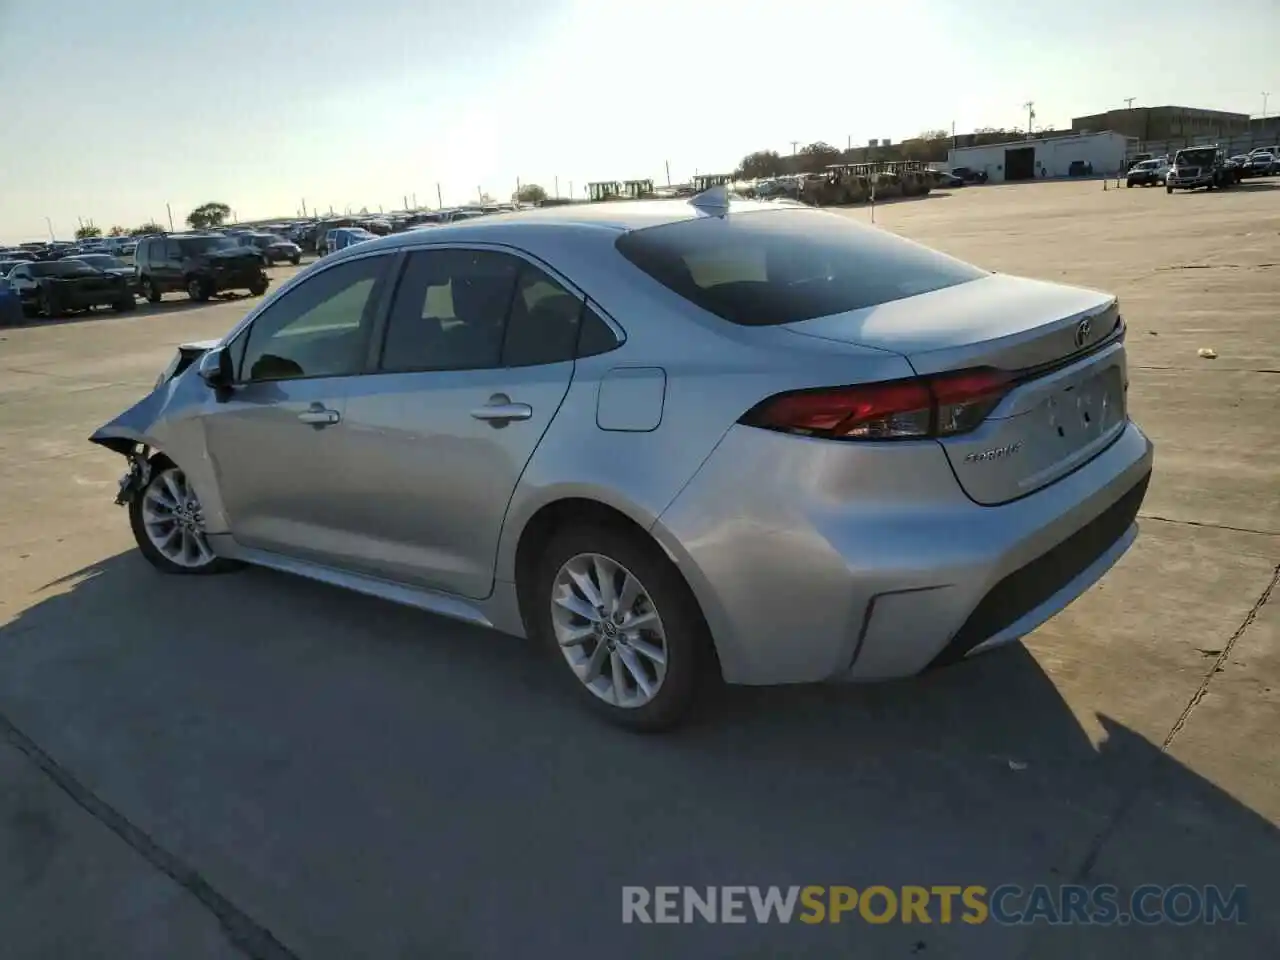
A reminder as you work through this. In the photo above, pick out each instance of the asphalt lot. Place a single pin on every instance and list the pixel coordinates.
(259, 765)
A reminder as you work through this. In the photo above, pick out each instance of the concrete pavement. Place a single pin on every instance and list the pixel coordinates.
(261, 765)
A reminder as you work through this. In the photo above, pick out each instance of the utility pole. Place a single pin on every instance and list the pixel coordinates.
(557, 186)
(1031, 115)
(570, 189)
(1128, 102)
(415, 201)
(794, 144)
(169, 209)
(304, 206)
(953, 134)
(517, 197)
(49, 223)
(1265, 94)
(667, 164)
(439, 198)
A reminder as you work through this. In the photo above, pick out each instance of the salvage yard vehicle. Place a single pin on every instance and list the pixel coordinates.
(1261, 164)
(1146, 173)
(201, 264)
(109, 265)
(53, 288)
(274, 249)
(1195, 167)
(770, 444)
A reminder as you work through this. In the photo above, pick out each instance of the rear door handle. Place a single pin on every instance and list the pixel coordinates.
(320, 416)
(500, 411)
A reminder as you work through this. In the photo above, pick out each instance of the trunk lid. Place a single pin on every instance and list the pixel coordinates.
(1064, 344)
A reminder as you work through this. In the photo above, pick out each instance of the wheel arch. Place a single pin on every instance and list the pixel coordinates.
(555, 513)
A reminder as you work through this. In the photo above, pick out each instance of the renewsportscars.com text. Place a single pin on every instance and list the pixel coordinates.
(1008, 904)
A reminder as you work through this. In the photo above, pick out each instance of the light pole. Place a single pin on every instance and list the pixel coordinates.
(1031, 115)
(1265, 94)
(49, 223)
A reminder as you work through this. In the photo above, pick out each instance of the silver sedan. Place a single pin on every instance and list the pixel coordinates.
(670, 440)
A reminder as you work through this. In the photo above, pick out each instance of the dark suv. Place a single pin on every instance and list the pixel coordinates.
(202, 264)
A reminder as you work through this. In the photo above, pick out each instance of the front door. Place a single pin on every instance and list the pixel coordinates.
(277, 443)
(478, 356)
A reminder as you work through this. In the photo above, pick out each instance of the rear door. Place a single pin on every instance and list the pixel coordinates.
(477, 357)
(277, 442)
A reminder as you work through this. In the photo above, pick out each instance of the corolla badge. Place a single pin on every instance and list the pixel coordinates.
(995, 453)
(1082, 332)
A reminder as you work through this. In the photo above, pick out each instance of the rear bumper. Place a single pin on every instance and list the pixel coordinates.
(900, 576)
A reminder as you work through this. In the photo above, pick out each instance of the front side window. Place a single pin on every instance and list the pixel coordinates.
(320, 328)
(784, 266)
(450, 311)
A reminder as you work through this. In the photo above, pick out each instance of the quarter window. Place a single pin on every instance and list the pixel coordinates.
(320, 328)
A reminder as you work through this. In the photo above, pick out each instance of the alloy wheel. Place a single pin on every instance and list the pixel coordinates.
(174, 521)
(609, 630)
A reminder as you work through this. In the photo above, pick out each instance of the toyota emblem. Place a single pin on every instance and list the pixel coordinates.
(1082, 332)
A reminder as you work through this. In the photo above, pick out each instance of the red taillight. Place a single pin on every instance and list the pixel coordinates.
(937, 406)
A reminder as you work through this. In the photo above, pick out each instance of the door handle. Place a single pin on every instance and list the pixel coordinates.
(500, 411)
(319, 416)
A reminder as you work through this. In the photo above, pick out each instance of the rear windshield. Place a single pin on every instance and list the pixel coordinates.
(783, 266)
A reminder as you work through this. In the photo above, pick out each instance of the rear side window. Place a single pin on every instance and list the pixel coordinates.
(783, 266)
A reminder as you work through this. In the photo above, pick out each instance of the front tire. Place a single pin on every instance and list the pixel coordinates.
(168, 525)
(1168, 189)
(295, 260)
(198, 290)
(150, 290)
(622, 624)
(258, 287)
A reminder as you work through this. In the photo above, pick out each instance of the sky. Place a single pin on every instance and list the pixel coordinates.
(110, 111)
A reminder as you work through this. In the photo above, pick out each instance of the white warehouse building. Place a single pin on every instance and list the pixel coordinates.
(1103, 154)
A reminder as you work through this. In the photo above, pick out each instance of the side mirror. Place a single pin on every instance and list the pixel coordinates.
(214, 368)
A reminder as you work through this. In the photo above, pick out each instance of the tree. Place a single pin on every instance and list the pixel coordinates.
(208, 216)
(931, 145)
(144, 229)
(815, 157)
(85, 231)
(117, 231)
(530, 193)
(762, 163)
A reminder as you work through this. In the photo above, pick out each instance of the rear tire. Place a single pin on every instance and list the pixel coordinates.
(295, 260)
(258, 287)
(150, 290)
(161, 517)
(643, 678)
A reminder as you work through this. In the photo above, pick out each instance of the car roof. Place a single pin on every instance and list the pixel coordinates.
(611, 217)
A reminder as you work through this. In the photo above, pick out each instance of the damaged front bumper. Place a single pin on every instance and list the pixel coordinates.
(136, 477)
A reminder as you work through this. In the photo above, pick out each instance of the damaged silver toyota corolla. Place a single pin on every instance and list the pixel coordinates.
(662, 437)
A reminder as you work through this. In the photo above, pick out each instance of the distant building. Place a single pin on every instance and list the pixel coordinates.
(1165, 123)
(1100, 154)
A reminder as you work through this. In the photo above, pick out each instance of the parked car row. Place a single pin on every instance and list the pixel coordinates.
(200, 264)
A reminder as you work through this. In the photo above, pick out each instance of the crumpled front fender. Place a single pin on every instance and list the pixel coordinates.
(170, 420)
(134, 427)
